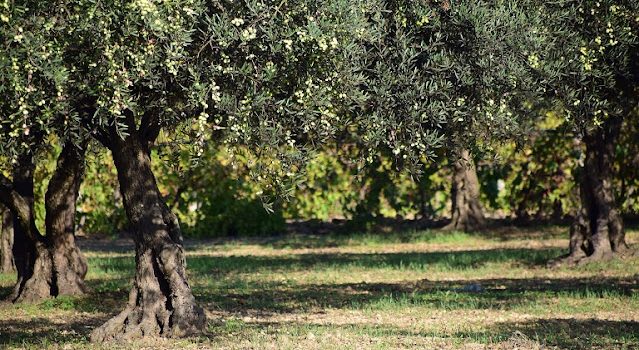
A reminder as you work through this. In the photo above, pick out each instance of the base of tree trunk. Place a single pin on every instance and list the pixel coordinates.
(54, 273)
(160, 303)
(597, 233)
(70, 268)
(579, 259)
(466, 223)
(467, 214)
(39, 283)
(47, 265)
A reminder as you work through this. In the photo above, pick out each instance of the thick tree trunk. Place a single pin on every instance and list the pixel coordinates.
(597, 232)
(32, 258)
(6, 243)
(69, 265)
(50, 265)
(467, 213)
(161, 302)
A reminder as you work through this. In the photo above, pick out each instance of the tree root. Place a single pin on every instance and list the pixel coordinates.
(160, 303)
(579, 258)
(38, 284)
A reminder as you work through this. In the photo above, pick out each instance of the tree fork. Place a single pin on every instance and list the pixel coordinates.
(161, 302)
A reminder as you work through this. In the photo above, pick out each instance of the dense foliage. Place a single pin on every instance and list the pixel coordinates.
(347, 109)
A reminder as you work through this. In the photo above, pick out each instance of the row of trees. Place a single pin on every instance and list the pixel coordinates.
(409, 81)
(218, 197)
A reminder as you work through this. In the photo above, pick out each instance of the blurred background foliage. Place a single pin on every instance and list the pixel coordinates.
(219, 195)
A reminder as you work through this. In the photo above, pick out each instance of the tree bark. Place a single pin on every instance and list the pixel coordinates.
(6, 243)
(467, 213)
(69, 265)
(597, 232)
(50, 265)
(161, 302)
(32, 258)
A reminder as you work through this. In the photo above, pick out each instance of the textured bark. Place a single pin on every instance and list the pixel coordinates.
(32, 258)
(161, 302)
(51, 265)
(6, 242)
(69, 265)
(467, 213)
(597, 232)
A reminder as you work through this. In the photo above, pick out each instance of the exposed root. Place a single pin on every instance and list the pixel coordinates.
(160, 303)
(50, 277)
(38, 284)
(579, 258)
(570, 259)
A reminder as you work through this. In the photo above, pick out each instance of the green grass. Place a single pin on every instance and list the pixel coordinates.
(396, 290)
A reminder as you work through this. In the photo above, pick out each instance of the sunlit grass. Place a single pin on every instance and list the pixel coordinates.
(398, 290)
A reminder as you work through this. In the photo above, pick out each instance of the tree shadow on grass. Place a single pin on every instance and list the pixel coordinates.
(41, 331)
(309, 298)
(222, 282)
(264, 298)
(96, 301)
(458, 260)
(5, 291)
(224, 265)
(494, 294)
(569, 333)
(535, 334)
(313, 235)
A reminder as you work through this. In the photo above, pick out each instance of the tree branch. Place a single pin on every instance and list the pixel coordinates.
(149, 127)
(102, 137)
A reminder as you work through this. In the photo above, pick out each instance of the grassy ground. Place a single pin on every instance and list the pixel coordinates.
(399, 290)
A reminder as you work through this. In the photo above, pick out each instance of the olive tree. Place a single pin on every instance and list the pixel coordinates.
(33, 113)
(446, 78)
(590, 65)
(268, 76)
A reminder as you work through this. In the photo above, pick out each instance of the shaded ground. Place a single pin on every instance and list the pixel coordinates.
(419, 289)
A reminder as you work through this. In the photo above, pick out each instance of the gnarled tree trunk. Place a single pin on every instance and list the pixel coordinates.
(32, 258)
(467, 213)
(6, 242)
(161, 302)
(51, 265)
(69, 265)
(597, 232)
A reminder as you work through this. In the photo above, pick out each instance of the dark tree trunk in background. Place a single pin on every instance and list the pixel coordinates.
(467, 213)
(69, 264)
(50, 265)
(161, 302)
(6, 242)
(597, 232)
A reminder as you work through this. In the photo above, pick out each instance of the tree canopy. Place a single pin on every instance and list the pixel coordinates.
(407, 83)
